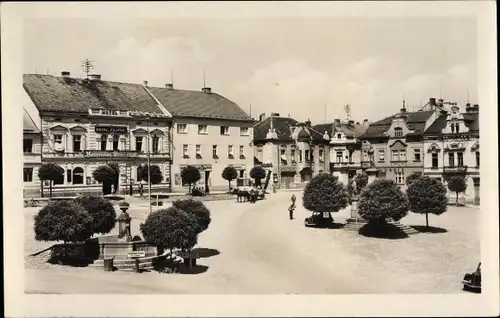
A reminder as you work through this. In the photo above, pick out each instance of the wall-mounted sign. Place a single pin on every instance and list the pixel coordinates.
(239, 167)
(111, 129)
(200, 167)
(109, 154)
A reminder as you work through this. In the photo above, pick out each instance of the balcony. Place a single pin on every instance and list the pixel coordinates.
(455, 169)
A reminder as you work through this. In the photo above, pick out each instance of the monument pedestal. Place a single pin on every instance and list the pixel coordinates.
(355, 222)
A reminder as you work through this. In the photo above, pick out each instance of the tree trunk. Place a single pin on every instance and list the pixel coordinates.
(427, 219)
(189, 189)
(456, 203)
(50, 187)
(229, 186)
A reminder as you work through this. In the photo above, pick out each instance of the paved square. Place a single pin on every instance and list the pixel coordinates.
(262, 251)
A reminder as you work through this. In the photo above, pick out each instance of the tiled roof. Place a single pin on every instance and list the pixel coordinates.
(282, 126)
(59, 94)
(28, 123)
(354, 130)
(198, 104)
(415, 121)
(471, 121)
(437, 126)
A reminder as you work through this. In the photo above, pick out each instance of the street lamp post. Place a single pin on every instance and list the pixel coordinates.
(149, 166)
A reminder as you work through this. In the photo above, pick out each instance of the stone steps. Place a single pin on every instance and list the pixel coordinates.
(356, 225)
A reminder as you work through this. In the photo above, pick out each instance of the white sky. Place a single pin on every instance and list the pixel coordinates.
(284, 65)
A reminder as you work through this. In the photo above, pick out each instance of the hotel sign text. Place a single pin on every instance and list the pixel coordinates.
(111, 129)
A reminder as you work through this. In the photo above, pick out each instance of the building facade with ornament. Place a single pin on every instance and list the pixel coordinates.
(209, 132)
(85, 123)
(451, 148)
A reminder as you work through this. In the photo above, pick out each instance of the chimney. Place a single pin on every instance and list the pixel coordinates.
(403, 110)
(95, 77)
(468, 108)
(275, 114)
(336, 121)
(169, 86)
(351, 122)
(262, 116)
(357, 123)
(432, 101)
(476, 108)
(308, 123)
(440, 102)
(145, 83)
(207, 90)
(65, 74)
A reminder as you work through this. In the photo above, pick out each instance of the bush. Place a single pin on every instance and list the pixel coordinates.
(102, 211)
(412, 177)
(105, 175)
(258, 173)
(361, 180)
(50, 172)
(381, 200)
(190, 175)
(229, 173)
(457, 184)
(427, 195)
(64, 221)
(324, 193)
(197, 208)
(171, 228)
(156, 175)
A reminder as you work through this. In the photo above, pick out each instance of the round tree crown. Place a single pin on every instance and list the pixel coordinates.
(324, 193)
(381, 200)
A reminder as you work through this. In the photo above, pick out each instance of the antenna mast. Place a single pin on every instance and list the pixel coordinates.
(347, 110)
(204, 77)
(87, 66)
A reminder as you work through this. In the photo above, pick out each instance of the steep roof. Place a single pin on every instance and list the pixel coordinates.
(471, 120)
(415, 121)
(59, 94)
(198, 104)
(282, 126)
(353, 130)
(28, 123)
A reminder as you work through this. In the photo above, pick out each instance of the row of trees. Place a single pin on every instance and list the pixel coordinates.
(108, 175)
(383, 199)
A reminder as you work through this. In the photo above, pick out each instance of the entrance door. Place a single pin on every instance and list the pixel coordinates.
(477, 195)
(207, 176)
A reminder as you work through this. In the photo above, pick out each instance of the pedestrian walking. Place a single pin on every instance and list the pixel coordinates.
(293, 199)
(290, 210)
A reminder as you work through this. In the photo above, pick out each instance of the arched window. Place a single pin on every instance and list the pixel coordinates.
(398, 132)
(457, 129)
(78, 175)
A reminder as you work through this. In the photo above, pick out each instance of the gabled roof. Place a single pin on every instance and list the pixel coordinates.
(415, 121)
(351, 131)
(28, 123)
(198, 104)
(60, 94)
(282, 126)
(471, 120)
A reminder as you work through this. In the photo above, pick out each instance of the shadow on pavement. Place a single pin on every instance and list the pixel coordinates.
(331, 226)
(205, 252)
(388, 231)
(430, 229)
(196, 269)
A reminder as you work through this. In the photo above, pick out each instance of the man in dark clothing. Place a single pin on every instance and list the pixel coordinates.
(290, 210)
(293, 199)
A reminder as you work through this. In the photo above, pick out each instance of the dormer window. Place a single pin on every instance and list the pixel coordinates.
(398, 132)
(339, 136)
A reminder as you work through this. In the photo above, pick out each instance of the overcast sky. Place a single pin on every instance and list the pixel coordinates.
(289, 65)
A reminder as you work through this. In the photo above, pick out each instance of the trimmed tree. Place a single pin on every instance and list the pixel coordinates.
(50, 172)
(156, 175)
(382, 200)
(106, 175)
(190, 175)
(324, 193)
(171, 228)
(361, 181)
(102, 211)
(64, 221)
(427, 195)
(412, 177)
(457, 184)
(258, 173)
(229, 173)
(196, 208)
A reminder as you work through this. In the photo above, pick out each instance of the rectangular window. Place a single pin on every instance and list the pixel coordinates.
(28, 175)
(58, 139)
(292, 154)
(416, 155)
(398, 132)
(202, 129)
(77, 143)
(198, 151)
(435, 161)
(244, 131)
(381, 156)
(182, 128)
(138, 143)
(185, 151)
(224, 130)
(460, 159)
(307, 157)
(28, 145)
(215, 153)
(116, 142)
(68, 176)
(339, 155)
(156, 143)
(230, 153)
(104, 142)
(477, 159)
(451, 159)
(402, 155)
(242, 152)
(321, 155)
(395, 155)
(400, 178)
(300, 155)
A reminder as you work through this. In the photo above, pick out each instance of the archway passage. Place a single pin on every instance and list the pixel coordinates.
(78, 175)
(287, 178)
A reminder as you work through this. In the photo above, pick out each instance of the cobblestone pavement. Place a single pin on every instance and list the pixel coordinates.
(262, 251)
